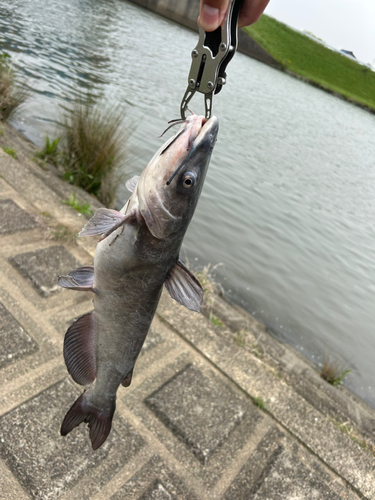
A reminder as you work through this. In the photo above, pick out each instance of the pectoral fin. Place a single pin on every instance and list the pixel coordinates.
(131, 183)
(103, 221)
(184, 287)
(79, 350)
(81, 279)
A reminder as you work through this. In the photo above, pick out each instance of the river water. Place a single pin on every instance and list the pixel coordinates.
(288, 207)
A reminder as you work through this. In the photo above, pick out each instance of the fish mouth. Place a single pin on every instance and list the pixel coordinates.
(208, 131)
(205, 137)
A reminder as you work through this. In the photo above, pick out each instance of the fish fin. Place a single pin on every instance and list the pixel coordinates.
(99, 419)
(81, 279)
(102, 221)
(131, 183)
(128, 379)
(79, 350)
(128, 218)
(184, 287)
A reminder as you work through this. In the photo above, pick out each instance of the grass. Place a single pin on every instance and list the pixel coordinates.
(12, 93)
(50, 152)
(83, 208)
(206, 276)
(92, 146)
(334, 371)
(11, 152)
(239, 338)
(304, 56)
(349, 429)
(215, 320)
(64, 234)
(259, 403)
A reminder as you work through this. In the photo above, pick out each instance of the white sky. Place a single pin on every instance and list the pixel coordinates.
(344, 24)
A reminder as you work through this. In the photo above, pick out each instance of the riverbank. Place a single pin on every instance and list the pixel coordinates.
(314, 62)
(300, 55)
(217, 408)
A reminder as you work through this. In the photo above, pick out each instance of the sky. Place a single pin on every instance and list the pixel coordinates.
(343, 24)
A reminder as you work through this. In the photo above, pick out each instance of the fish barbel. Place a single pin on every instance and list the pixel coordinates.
(137, 254)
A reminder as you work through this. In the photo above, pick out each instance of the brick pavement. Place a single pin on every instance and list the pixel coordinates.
(213, 412)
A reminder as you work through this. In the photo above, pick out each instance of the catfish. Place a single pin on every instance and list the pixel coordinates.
(137, 254)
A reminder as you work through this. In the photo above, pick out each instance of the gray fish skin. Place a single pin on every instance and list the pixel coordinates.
(130, 267)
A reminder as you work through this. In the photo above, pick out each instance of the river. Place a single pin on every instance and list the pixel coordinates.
(288, 206)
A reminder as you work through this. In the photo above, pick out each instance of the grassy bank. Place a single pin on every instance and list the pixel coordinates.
(304, 56)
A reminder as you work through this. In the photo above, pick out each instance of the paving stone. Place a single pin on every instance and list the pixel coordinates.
(157, 491)
(197, 410)
(155, 481)
(190, 425)
(14, 340)
(13, 218)
(278, 470)
(46, 463)
(3, 186)
(43, 267)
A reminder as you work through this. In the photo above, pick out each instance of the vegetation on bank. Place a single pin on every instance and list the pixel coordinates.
(301, 54)
(90, 150)
(10, 151)
(334, 370)
(92, 143)
(12, 93)
(82, 208)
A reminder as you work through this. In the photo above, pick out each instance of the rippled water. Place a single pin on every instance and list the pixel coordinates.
(288, 206)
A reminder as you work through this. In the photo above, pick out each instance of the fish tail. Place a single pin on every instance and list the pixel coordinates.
(99, 419)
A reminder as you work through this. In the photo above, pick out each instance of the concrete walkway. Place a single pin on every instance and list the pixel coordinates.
(213, 412)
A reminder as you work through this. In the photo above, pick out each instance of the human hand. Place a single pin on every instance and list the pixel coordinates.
(212, 13)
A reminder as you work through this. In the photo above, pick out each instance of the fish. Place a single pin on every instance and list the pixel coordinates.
(137, 254)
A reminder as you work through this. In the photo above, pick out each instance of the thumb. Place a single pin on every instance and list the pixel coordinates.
(212, 13)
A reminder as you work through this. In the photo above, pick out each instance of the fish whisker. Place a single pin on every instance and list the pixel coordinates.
(178, 121)
(172, 141)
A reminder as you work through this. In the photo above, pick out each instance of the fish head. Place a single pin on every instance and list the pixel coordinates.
(170, 186)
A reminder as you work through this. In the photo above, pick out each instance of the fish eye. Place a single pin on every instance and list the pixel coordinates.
(189, 179)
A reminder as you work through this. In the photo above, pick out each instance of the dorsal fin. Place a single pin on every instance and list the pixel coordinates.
(131, 183)
(184, 287)
(79, 350)
(81, 279)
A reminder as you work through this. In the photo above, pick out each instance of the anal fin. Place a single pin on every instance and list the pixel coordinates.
(79, 350)
(184, 287)
(81, 279)
(128, 379)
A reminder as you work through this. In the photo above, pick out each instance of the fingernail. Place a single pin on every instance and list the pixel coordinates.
(209, 18)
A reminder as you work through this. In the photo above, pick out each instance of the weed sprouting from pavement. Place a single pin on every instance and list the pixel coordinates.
(11, 152)
(239, 338)
(259, 403)
(215, 320)
(73, 202)
(64, 234)
(334, 370)
(50, 152)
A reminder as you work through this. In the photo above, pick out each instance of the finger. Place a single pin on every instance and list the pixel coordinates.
(212, 13)
(251, 12)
